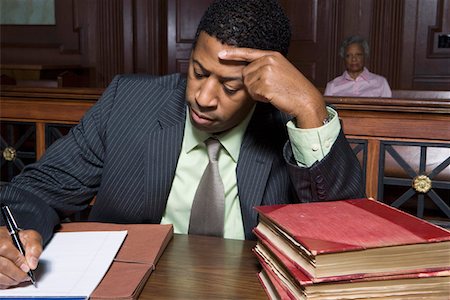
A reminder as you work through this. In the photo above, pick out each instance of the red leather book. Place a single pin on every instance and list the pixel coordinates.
(291, 283)
(359, 238)
(273, 287)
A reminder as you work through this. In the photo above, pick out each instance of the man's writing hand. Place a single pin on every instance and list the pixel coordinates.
(13, 265)
(270, 77)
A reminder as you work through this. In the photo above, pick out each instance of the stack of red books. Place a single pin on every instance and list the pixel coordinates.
(350, 249)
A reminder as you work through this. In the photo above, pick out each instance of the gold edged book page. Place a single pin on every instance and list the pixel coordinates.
(134, 262)
(283, 280)
(273, 288)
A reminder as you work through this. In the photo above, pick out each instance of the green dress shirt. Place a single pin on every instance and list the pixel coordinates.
(308, 145)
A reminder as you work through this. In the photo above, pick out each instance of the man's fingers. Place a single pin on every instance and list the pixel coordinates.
(32, 242)
(8, 252)
(10, 275)
(242, 54)
(13, 265)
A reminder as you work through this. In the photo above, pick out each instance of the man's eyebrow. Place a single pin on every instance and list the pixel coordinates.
(221, 78)
(201, 66)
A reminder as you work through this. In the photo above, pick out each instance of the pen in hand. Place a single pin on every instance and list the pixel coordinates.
(14, 232)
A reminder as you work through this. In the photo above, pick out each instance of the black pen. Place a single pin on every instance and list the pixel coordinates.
(14, 232)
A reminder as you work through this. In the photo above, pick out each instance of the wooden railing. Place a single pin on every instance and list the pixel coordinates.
(406, 150)
(396, 140)
(385, 119)
(417, 94)
(43, 106)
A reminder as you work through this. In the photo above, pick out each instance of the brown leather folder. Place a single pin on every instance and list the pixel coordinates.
(135, 261)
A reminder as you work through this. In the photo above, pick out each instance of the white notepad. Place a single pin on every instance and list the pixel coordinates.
(72, 265)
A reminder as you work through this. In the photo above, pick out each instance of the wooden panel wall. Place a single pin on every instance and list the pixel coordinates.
(109, 36)
(63, 43)
(182, 20)
(155, 36)
(385, 31)
(111, 40)
(430, 64)
(129, 37)
(319, 26)
(310, 21)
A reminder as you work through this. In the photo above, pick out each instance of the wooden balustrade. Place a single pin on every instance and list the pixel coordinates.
(43, 106)
(386, 119)
(396, 139)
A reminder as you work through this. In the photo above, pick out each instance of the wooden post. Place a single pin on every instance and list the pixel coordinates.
(40, 139)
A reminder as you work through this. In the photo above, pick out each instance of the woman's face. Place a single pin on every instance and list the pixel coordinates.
(354, 58)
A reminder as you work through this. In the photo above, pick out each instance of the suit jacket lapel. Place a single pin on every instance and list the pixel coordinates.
(162, 152)
(253, 172)
(254, 165)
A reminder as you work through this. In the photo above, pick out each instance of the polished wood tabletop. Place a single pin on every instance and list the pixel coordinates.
(199, 267)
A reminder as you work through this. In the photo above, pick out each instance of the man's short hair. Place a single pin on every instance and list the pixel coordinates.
(258, 24)
(354, 39)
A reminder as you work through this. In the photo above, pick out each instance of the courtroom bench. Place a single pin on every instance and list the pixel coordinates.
(403, 145)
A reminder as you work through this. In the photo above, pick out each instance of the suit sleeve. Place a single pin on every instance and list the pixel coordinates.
(337, 176)
(67, 177)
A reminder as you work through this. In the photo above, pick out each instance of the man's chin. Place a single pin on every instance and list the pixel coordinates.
(214, 130)
(207, 129)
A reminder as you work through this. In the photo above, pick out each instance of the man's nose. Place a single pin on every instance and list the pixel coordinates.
(207, 94)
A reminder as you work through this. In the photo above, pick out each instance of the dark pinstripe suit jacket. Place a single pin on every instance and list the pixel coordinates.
(125, 151)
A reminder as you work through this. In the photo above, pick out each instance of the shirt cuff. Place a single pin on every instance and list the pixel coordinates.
(313, 144)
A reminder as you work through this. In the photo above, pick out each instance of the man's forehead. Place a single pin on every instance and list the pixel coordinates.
(225, 70)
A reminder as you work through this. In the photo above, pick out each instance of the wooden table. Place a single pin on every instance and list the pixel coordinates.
(199, 267)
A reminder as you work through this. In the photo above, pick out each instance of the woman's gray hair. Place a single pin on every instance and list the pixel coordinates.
(354, 39)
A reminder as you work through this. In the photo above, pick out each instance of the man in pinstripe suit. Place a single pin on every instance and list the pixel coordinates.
(140, 149)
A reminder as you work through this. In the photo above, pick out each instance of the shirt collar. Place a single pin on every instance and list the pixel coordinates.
(230, 140)
(365, 75)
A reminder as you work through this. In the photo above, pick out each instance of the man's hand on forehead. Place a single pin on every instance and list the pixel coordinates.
(243, 54)
(270, 77)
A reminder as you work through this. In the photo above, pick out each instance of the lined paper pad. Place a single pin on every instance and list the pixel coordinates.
(72, 265)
